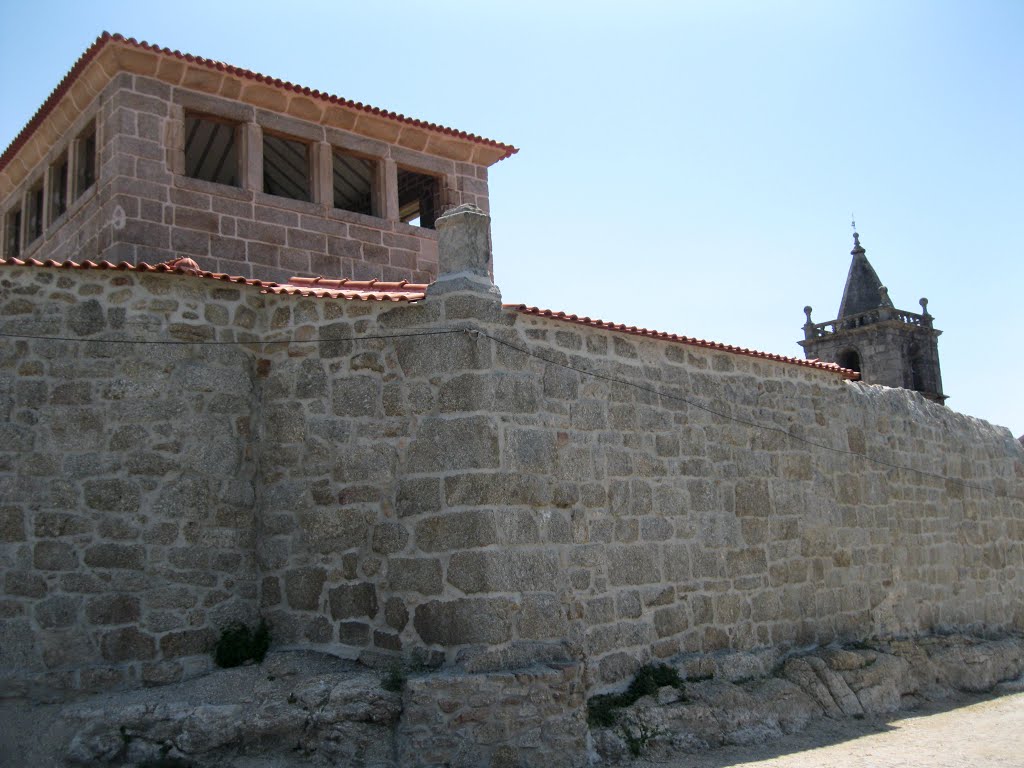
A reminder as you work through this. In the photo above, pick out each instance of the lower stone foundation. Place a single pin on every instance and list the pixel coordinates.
(534, 716)
(309, 709)
(718, 704)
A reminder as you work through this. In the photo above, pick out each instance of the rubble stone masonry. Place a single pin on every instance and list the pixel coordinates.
(383, 479)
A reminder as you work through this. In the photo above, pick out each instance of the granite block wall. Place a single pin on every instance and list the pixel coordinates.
(433, 481)
(246, 231)
(86, 230)
(127, 493)
(498, 508)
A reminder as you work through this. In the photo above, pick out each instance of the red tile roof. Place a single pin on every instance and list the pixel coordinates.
(364, 290)
(352, 289)
(106, 39)
(715, 345)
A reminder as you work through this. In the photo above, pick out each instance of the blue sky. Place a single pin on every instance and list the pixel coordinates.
(689, 167)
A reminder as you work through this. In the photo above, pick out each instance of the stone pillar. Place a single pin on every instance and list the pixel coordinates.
(809, 325)
(23, 231)
(322, 167)
(451, 195)
(251, 146)
(175, 139)
(73, 152)
(464, 260)
(387, 190)
(44, 213)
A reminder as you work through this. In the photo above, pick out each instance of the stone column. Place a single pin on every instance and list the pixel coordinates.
(23, 231)
(251, 146)
(73, 152)
(322, 167)
(175, 139)
(386, 190)
(44, 212)
(451, 195)
(464, 259)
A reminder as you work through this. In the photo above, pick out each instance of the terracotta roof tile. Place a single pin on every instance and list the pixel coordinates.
(107, 39)
(715, 345)
(364, 290)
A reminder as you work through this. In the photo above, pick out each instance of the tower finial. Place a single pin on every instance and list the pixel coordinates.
(853, 226)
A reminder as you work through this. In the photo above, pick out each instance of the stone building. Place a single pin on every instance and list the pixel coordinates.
(143, 154)
(885, 345)
(222, 403)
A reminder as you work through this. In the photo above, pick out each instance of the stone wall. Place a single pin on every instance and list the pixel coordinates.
(127, 495)
(402, 479)
(682, 528)
(86, 229)
(246, 231)
(496, 508)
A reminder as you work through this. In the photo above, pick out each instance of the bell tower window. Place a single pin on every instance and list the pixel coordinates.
(849, 358)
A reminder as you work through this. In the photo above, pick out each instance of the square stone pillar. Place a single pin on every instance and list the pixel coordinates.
(322, 167)
(23, 240)
(464, 258)
(251, 153)
(386, 190)
(73, 150)
(44, 213)
(175, 139)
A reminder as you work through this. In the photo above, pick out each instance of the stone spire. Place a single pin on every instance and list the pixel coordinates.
(887, 346)
(864, 291)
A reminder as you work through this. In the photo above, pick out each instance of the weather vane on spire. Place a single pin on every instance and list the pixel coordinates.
(853, 222)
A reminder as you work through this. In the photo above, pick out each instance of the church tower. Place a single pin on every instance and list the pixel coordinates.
(885, 345)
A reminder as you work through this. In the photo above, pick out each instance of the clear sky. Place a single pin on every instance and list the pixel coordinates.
(688, 167)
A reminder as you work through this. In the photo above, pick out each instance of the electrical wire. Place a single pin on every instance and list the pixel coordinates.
(315, 340)
(754, 424)
(583, 371)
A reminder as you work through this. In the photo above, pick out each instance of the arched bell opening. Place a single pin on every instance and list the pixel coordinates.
(849, 358)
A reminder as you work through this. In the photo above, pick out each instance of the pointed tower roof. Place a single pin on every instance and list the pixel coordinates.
(864, 291)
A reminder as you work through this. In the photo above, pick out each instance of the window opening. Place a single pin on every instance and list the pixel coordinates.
(12, 245)
(419, 198)
(59, 187)
(211, 152)
(86, 160)
(916, 368)
(34, 223)
(353, 183)
(849, 358)
(285, 168)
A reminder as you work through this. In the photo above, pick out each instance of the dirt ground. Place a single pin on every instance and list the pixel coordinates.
(976, 732)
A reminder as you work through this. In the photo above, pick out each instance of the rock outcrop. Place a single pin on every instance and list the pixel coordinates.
(713, 707)
(309, 709)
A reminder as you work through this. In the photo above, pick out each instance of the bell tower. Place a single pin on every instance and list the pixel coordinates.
(887, 346)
